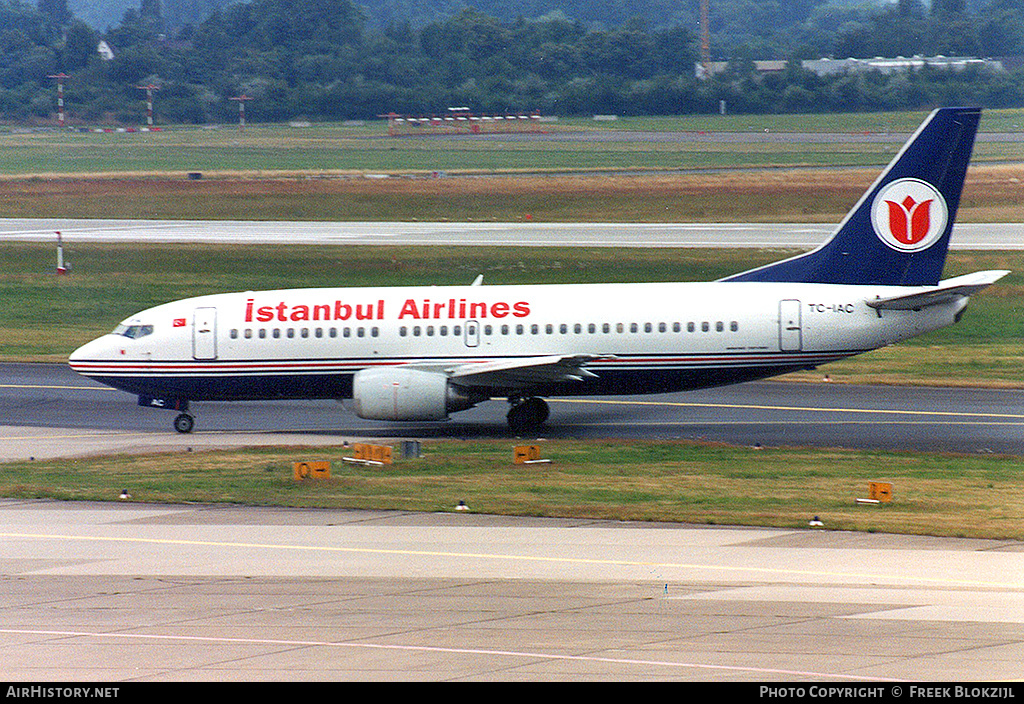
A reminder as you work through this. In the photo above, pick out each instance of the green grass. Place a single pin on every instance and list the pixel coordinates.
(329, 148)
(781, 198)
(273, 149)
(1009, 120)
(968, 496)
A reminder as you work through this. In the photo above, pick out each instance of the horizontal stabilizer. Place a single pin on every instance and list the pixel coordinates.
(958, 287)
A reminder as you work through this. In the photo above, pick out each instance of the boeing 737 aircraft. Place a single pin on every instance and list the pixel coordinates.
(421, 353)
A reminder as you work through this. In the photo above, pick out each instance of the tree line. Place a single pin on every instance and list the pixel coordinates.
(320, 59)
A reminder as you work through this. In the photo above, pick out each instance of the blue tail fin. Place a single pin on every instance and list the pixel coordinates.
(898, 233)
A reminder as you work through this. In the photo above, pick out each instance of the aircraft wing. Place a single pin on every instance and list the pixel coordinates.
(947, 290)
(521, 373)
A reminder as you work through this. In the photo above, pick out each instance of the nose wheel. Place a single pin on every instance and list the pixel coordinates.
(184, 423)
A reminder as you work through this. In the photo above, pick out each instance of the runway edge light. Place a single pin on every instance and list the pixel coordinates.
(62, 266)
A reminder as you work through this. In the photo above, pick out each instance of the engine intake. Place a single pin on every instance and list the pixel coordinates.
(397, 393)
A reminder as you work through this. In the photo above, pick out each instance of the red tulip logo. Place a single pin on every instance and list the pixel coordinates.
(909, 220)
(909, 215)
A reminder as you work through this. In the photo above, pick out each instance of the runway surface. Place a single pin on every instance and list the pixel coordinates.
(123, 592)
(965, 236)
(51, 411)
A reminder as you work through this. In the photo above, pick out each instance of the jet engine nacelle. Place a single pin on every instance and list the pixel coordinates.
(396, 393)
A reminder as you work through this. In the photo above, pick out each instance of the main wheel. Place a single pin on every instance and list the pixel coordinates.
(184, 423)
(529, 414)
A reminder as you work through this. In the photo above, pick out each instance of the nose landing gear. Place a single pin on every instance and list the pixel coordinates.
(184, 423)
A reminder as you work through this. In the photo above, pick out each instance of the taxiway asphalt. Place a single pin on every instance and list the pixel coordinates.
(48, 410)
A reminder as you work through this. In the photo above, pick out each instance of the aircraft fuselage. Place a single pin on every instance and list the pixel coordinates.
(651, 337)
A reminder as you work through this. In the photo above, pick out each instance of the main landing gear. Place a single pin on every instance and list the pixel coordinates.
(527, 414)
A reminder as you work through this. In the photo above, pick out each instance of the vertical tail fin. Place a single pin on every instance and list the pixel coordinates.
(898, 233)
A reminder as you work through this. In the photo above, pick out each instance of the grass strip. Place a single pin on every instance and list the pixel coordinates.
(977, 496)
(569, 145)
(992, 193)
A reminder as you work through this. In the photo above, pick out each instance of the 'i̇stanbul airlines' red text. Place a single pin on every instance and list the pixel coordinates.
(451, 309)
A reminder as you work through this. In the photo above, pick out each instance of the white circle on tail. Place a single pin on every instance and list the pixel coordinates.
(909, 215)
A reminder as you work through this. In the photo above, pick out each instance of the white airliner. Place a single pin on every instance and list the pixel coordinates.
(421, 353)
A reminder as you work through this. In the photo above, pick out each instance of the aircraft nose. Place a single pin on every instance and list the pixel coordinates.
(78, 355)
(98, 349)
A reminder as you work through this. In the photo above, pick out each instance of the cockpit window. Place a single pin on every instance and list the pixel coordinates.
(133, 331)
